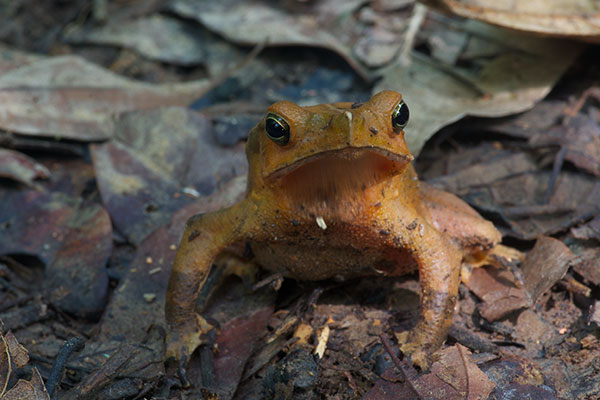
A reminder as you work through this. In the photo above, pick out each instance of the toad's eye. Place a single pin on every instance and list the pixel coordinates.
(277, 129)
(400, 116)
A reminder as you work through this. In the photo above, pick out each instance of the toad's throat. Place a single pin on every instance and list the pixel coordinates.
(338, 176)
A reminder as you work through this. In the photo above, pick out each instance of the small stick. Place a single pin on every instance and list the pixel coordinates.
(559, 160)
(388, 348)
(71, 345)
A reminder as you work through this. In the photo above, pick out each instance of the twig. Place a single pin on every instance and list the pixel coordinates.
(556, 167)
(416, 20)
(274, 278)
(71, 345)
(464, 360)
(16, 302)
(388, 348)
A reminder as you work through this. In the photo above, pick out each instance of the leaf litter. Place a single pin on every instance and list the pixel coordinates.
(149, 183)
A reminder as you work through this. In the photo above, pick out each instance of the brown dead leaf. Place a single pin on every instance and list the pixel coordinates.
(577, 19)
(18, 353)
(453, 377)
(497, 166)
(534, 332)
(513, 73)
(63, 233)
(34, 389)
(77, 280)
(588, 265)
(594, 315)
(156, 158)
(68, 97)
(576, 197)
(127, 314)
(455, 368)
(544, 265)
(589, 230)
(327, 24)
(159, 37)
(522, 378)
(5, 367)
(11, 58)
(580, 137)
(243, 318)
(498, 292)
(118, 361)
(21, 168)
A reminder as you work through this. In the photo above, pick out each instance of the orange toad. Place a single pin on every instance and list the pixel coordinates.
(332, 194)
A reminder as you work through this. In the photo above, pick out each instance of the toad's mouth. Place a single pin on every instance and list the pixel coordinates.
(328, 175)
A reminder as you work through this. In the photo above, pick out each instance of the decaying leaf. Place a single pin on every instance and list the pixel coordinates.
(158, 37)
(21, 168)
(77, 280)
(5, 367)
(511, 75)
(580, 137)
(63, 233)
(11, 58)
(544, 265)
(589, 230)
(144, 173)
(68, 97)
(34, 389)
(150, 269)
(588, 265)
(498, 292)
(319, 25)
(18, 353)
(534, 332)
(575, 198)
(577, 19)
(453, 376)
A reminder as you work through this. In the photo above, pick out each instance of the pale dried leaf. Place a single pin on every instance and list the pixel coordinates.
(159, 37)
(72, 98)
(578, 19)
(18, 353)
(5, 367)
(255, 22)
(33, 389)
(520, 72)
(544, 265)
(21, 168)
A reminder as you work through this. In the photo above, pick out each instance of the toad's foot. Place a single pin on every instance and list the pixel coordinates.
(182, 340)
(413, 348)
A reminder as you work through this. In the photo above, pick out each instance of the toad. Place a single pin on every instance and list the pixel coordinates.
(332, 194)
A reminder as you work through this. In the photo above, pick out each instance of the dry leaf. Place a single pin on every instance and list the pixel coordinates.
(143, 174)
(73, 240)
(5, 367)
(544, 265)
(68, 97)
(158, 37)
(33, 389)
(519, 71)
(498, 292)
(324, 24)
(21, 168)
(577, 19)
(121, 318)
(18, 353)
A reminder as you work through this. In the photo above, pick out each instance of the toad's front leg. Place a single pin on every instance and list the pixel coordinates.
(439, 261)
(205, 236)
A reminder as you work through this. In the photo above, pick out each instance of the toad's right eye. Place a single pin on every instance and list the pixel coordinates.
(277, 129)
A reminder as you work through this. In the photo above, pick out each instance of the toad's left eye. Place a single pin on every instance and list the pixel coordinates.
(400, 116)
(277, 129)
